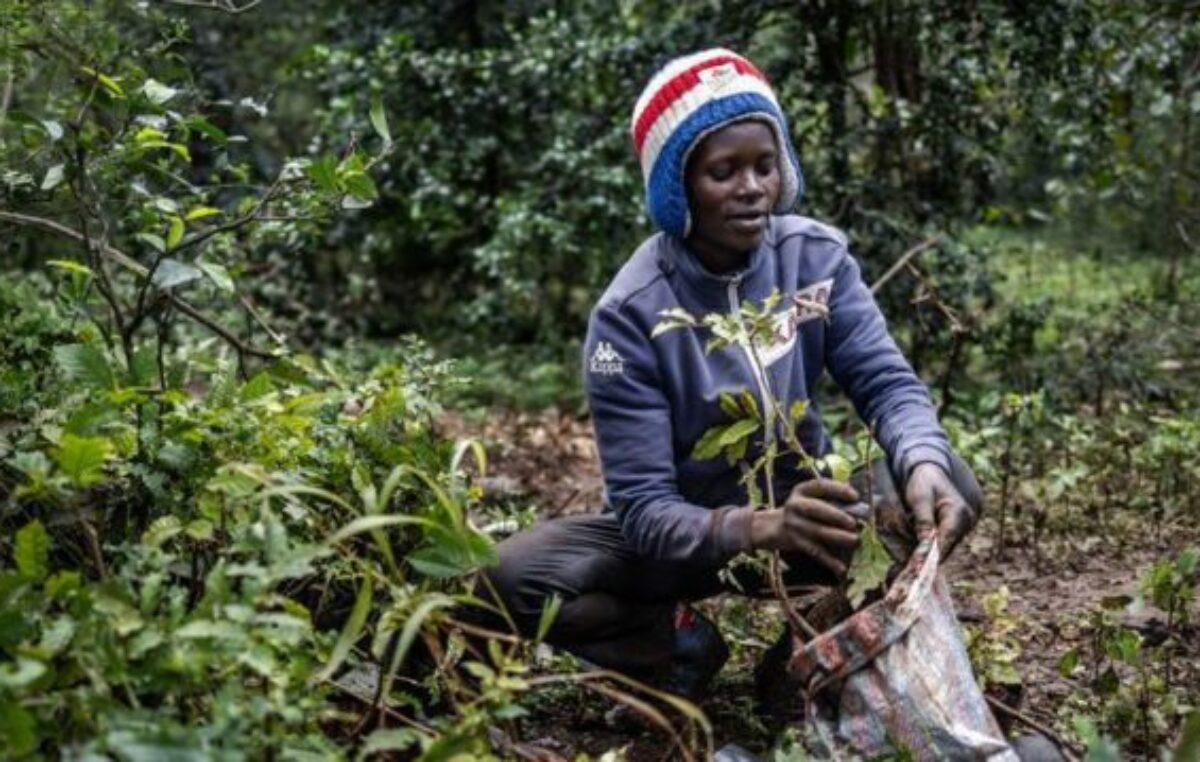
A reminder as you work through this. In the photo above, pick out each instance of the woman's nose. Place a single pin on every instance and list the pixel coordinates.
(751, 184)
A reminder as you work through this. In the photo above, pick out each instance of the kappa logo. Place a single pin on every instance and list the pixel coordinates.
(606, 361)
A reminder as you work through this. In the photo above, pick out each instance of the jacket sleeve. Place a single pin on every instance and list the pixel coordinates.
(632, 419)
(866, 363)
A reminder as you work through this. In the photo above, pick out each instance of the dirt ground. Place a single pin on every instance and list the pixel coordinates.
(547, 461)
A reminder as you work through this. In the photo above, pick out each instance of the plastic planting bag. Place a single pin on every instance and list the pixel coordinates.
(895, 676)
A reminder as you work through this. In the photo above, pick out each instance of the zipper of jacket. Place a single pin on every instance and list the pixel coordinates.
(764, 388)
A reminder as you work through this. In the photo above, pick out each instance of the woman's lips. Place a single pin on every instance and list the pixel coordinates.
(748, 224)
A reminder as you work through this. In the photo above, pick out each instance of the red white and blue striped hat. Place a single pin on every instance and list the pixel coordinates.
(686, 100)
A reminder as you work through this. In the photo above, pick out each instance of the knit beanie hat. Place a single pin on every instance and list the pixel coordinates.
(686, 100)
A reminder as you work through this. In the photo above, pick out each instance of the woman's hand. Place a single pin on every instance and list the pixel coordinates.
(808, 523)
(935, 502)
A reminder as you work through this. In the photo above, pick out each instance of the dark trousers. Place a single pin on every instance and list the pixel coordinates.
(617, 606)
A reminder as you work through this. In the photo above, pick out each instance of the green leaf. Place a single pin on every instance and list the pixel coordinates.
(729, 405)
(206, 629)
(31, 551)
(369, 523)
(1189, 740)
(797, 411)
(323, 172)
(17, 729)
(57, 635)
(389, 739)
(86, 364)
(439, 562)
(199, 529)
(549, 613)
(359, 185)
(21, 673)
(737, 431)
(53, 177)
(82, 459)
(837, 467)
(869, 567)
(379, 118)
(1187, 561)
(354, 627)
(218, 275)
(153, 241)
(672, 319)
(53, 129)
(1099, 748)
(201, 212)
(172, 273)
(1068, 663)
(208, 130)
(70, 265)
(161, 529)
(749, 404)
(107, 82)
(258, 386)
(157, 92)
(174, 232)
(708, 446)
(123, 618)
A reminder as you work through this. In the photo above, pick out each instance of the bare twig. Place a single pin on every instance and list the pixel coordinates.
(484, 632)
(225, 6)
(594, 680)
(1069, 751)
(921, 247)
(6, 98)
(251, 216)
(258, 318)
(1183, 235)
(384, 709)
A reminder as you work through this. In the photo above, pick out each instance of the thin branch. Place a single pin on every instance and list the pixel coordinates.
(140, 270)
(251, 216)
(225, 6)
(258, 318)
(6, 98)
(904, 259)
(1183, 235)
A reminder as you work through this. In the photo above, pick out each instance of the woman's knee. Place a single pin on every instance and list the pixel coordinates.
(528, 571)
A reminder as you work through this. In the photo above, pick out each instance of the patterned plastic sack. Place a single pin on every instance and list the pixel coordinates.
(895, 675)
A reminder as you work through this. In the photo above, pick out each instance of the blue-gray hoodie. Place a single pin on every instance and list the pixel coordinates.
(652, 398)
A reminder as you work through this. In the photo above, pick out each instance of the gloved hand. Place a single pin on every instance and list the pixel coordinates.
(809, 523)
(935, 502)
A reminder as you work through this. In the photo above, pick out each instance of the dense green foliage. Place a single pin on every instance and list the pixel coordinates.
(224, 480)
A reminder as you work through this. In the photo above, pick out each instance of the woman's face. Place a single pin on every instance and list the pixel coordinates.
(733, 184)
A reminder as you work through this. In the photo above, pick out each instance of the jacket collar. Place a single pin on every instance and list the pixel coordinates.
(709, 288)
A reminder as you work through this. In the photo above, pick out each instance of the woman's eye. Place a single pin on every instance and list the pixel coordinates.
(765, 168)
(721, 172)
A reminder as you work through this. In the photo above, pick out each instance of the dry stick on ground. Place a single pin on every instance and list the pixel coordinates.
(591, 681)
(1067, 749)
(127, 262)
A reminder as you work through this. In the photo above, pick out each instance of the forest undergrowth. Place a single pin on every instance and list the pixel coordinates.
(290, 305)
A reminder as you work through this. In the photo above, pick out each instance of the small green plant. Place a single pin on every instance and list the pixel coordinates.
(762, 417)
(994, 647)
